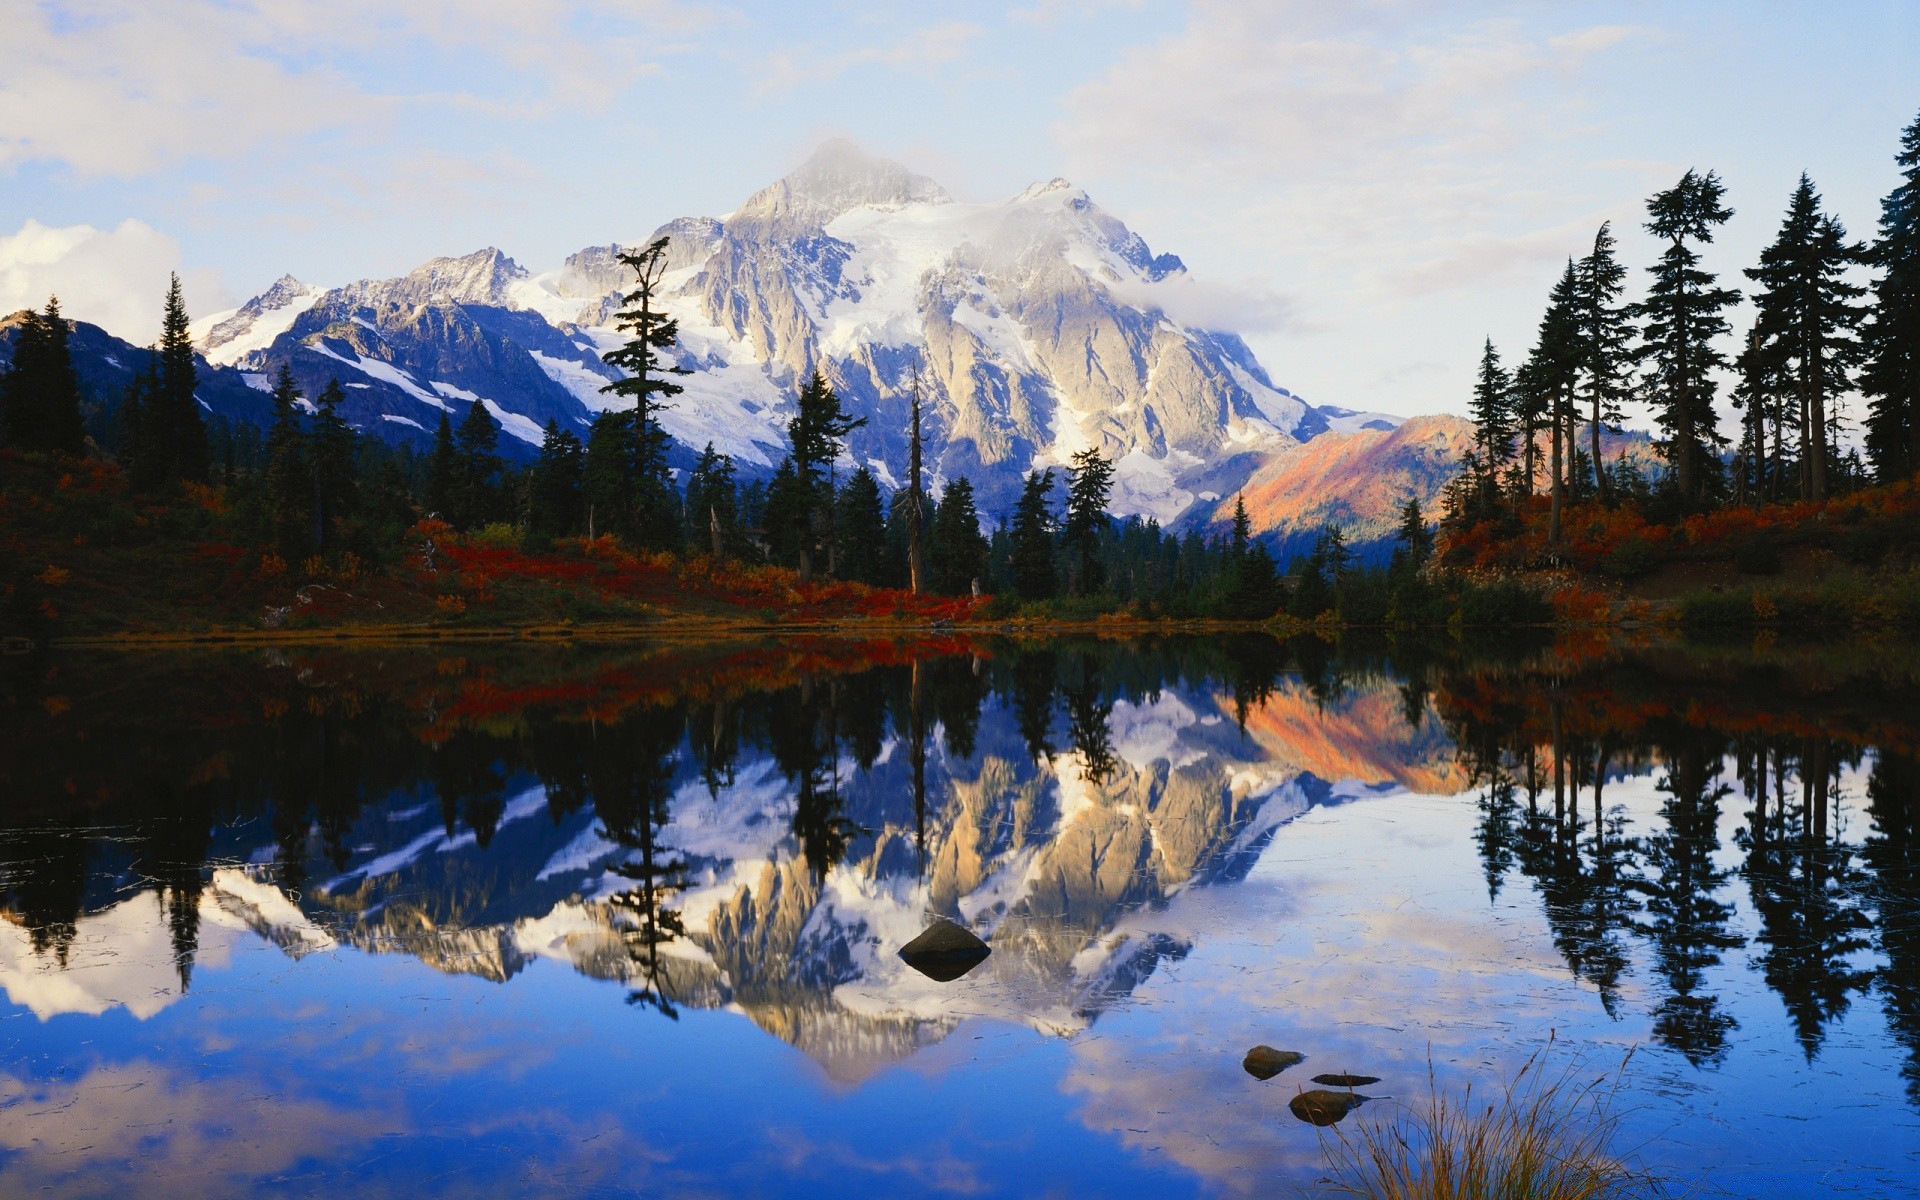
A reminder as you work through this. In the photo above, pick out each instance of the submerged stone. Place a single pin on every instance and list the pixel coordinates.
(1319, 1107)
(945, 952)
(1346, 1081)
(1264, 1062)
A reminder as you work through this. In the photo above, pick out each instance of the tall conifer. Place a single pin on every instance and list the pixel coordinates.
(480, 469)
(651, 333)
(860, 529)
(1605, 346)
(1682, 315)
(1891, 379)
(443, 472)
(336, 489)
(960, 550)
(289, 479)
(180, 434)
(1089, 480)
(553, 508)
(1804, 315)
(1032, 536)
(817, 430)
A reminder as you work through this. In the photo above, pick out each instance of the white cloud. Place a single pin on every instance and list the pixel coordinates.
(1353, 135)
(117, 279)
(920, 49)
(117, 89)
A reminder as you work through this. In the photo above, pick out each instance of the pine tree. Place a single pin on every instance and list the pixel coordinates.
(443, 472)
(713, 510)
(1241, 533)
(1803, 315)
(1492, 410)
(1032, 539)
(478, 468)
(860, 530)
(290, 505)
(1761, 395)
(1891, 379)
(1550, 375)
(1680, 318)
(818, 427)
(135, 452)
(1253, 588)
(607, 474)
(1414, 541)
(1089, 480)
(653, 519)
(785, 519)
(554, 490)
(960, 550)
(40, 393)
(333, 445)
(180, 435)
(1605, 341)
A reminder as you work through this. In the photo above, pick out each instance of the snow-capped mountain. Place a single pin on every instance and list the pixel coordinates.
(1036, 325)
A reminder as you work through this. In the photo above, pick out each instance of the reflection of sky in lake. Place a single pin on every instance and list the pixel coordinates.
(1216, 889)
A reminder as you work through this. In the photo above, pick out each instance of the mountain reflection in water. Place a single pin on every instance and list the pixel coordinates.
(1171, 845)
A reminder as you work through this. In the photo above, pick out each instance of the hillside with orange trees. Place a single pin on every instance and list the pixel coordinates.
(1853, 560)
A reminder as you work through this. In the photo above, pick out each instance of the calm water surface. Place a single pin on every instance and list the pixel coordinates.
(623, 921)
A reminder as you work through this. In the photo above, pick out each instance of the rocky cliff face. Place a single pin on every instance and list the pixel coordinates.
(1034, 327)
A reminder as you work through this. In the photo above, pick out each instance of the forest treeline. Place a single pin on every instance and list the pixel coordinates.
(1834, 319)
(1538, 488)
(309, 493)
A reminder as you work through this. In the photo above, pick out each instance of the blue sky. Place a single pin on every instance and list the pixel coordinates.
(1380, 184)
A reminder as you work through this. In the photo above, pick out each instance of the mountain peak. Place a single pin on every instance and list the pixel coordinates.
(839, 178)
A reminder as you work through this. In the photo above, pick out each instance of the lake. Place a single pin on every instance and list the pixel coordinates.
(568, 920)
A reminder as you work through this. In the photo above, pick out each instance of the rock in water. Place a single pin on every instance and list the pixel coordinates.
(1346, 1081)
(945, 952)
(1319, 1107)
(1264, 1062)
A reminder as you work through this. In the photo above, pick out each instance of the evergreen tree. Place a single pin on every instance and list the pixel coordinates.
(1761, 395)
(653, 517)
(1312, 587)
(607, 474)
(137, 456)
(290, 506)
(443, 472)
(785, 520)
(177, 437)
(479, 469)
(1550, 375)
(1680, 318)
(1605, 337)
(1241, 533)
(860, 530)
(1089, 480)
(818, 428)
(713, 508)
(1031, 558)
(1414, 541)
(959, 549)
(1891, 379)
(1253, 589)
(553, 491)
(40, 393)
(1803, 316)
(1492, 410)
(332, 445)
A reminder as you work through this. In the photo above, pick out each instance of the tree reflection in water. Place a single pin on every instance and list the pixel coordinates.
(318, 751)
